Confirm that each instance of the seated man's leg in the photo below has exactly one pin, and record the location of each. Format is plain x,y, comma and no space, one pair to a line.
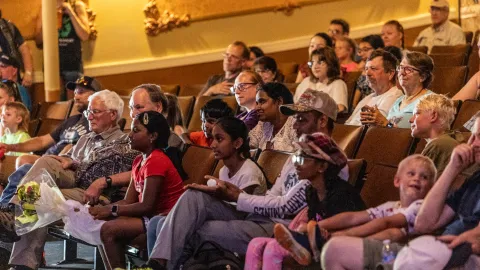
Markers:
25,159
234,235
187,216
13,182
154,226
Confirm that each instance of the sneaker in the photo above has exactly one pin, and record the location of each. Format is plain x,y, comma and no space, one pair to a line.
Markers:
7,225
285,238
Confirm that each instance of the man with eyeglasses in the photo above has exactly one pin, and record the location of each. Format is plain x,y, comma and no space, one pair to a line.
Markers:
9,70
201,214
442,32
338,28
234,61
59,140
381,77
105,150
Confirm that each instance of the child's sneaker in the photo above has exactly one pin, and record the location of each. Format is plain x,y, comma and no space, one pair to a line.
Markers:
285,238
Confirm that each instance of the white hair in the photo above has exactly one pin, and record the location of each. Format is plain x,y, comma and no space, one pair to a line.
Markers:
111,99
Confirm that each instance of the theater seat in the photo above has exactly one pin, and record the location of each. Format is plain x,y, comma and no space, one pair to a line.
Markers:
449,59
198,161
272,162
422,49
47,126
186,106
473,62
379,186
190,89
170,88
195,123
55,110
468,109
33,127
351,81
460,48
348,137
449,80
356,172
382,148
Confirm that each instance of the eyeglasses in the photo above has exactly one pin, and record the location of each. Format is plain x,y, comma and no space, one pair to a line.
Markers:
333,31
95,113
299,159
320,62
262,71
406,69
365,49
242,87
227,55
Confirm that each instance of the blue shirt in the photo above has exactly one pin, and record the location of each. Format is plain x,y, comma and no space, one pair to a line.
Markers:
465,202
401,117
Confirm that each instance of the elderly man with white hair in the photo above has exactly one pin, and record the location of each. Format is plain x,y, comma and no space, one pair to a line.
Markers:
103,151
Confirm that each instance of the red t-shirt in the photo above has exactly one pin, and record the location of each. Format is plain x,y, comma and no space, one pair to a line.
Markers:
198,138
158,164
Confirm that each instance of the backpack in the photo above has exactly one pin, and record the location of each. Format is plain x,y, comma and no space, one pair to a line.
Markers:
211,256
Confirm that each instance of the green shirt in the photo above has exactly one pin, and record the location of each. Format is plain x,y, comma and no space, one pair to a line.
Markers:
13,138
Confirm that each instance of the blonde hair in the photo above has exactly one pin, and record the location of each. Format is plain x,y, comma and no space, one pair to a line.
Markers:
426,162
22,111
441,104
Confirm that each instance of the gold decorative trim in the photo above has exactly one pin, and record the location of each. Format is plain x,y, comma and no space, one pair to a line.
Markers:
91,24
287,8
167,21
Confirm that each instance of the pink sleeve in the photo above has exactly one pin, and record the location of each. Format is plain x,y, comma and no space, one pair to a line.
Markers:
300,218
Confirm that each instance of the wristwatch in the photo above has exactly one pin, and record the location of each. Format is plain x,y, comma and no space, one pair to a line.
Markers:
115,210
108,180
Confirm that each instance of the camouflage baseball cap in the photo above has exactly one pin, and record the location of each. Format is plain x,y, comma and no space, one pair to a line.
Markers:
312,100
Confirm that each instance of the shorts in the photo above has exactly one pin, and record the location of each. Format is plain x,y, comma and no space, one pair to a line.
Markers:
372,253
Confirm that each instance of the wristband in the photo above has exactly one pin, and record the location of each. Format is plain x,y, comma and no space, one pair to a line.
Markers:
108,180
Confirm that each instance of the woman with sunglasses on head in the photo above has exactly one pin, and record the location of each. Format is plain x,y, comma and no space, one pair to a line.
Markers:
154,188
274,130
415,74
365,48
325,77
245,91
318,161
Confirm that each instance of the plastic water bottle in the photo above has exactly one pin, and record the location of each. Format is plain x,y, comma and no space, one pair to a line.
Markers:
388,255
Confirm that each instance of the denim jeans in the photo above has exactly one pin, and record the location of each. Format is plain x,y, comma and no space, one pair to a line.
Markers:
154,226
13,182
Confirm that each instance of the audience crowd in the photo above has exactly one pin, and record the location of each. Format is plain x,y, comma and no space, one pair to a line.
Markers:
310,215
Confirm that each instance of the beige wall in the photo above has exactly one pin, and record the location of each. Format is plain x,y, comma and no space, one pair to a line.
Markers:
122,38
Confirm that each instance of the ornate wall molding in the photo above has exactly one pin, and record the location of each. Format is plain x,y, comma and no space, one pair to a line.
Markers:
156,23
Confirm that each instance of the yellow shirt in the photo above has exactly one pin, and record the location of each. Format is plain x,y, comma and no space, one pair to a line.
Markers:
12,138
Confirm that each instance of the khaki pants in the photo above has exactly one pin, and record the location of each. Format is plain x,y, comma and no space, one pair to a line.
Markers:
28,251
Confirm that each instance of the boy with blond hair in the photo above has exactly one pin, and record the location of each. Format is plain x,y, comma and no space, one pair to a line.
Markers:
392,220
431,120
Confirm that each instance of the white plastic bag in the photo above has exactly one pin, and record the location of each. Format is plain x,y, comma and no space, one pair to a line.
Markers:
80,224
41,203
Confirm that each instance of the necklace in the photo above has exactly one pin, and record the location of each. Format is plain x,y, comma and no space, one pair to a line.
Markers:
410,98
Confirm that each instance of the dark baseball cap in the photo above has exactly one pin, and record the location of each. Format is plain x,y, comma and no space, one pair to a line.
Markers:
9,60
85,82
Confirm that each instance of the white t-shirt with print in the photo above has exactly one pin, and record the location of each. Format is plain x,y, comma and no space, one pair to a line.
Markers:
336,90
394,207
248,175
384,102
